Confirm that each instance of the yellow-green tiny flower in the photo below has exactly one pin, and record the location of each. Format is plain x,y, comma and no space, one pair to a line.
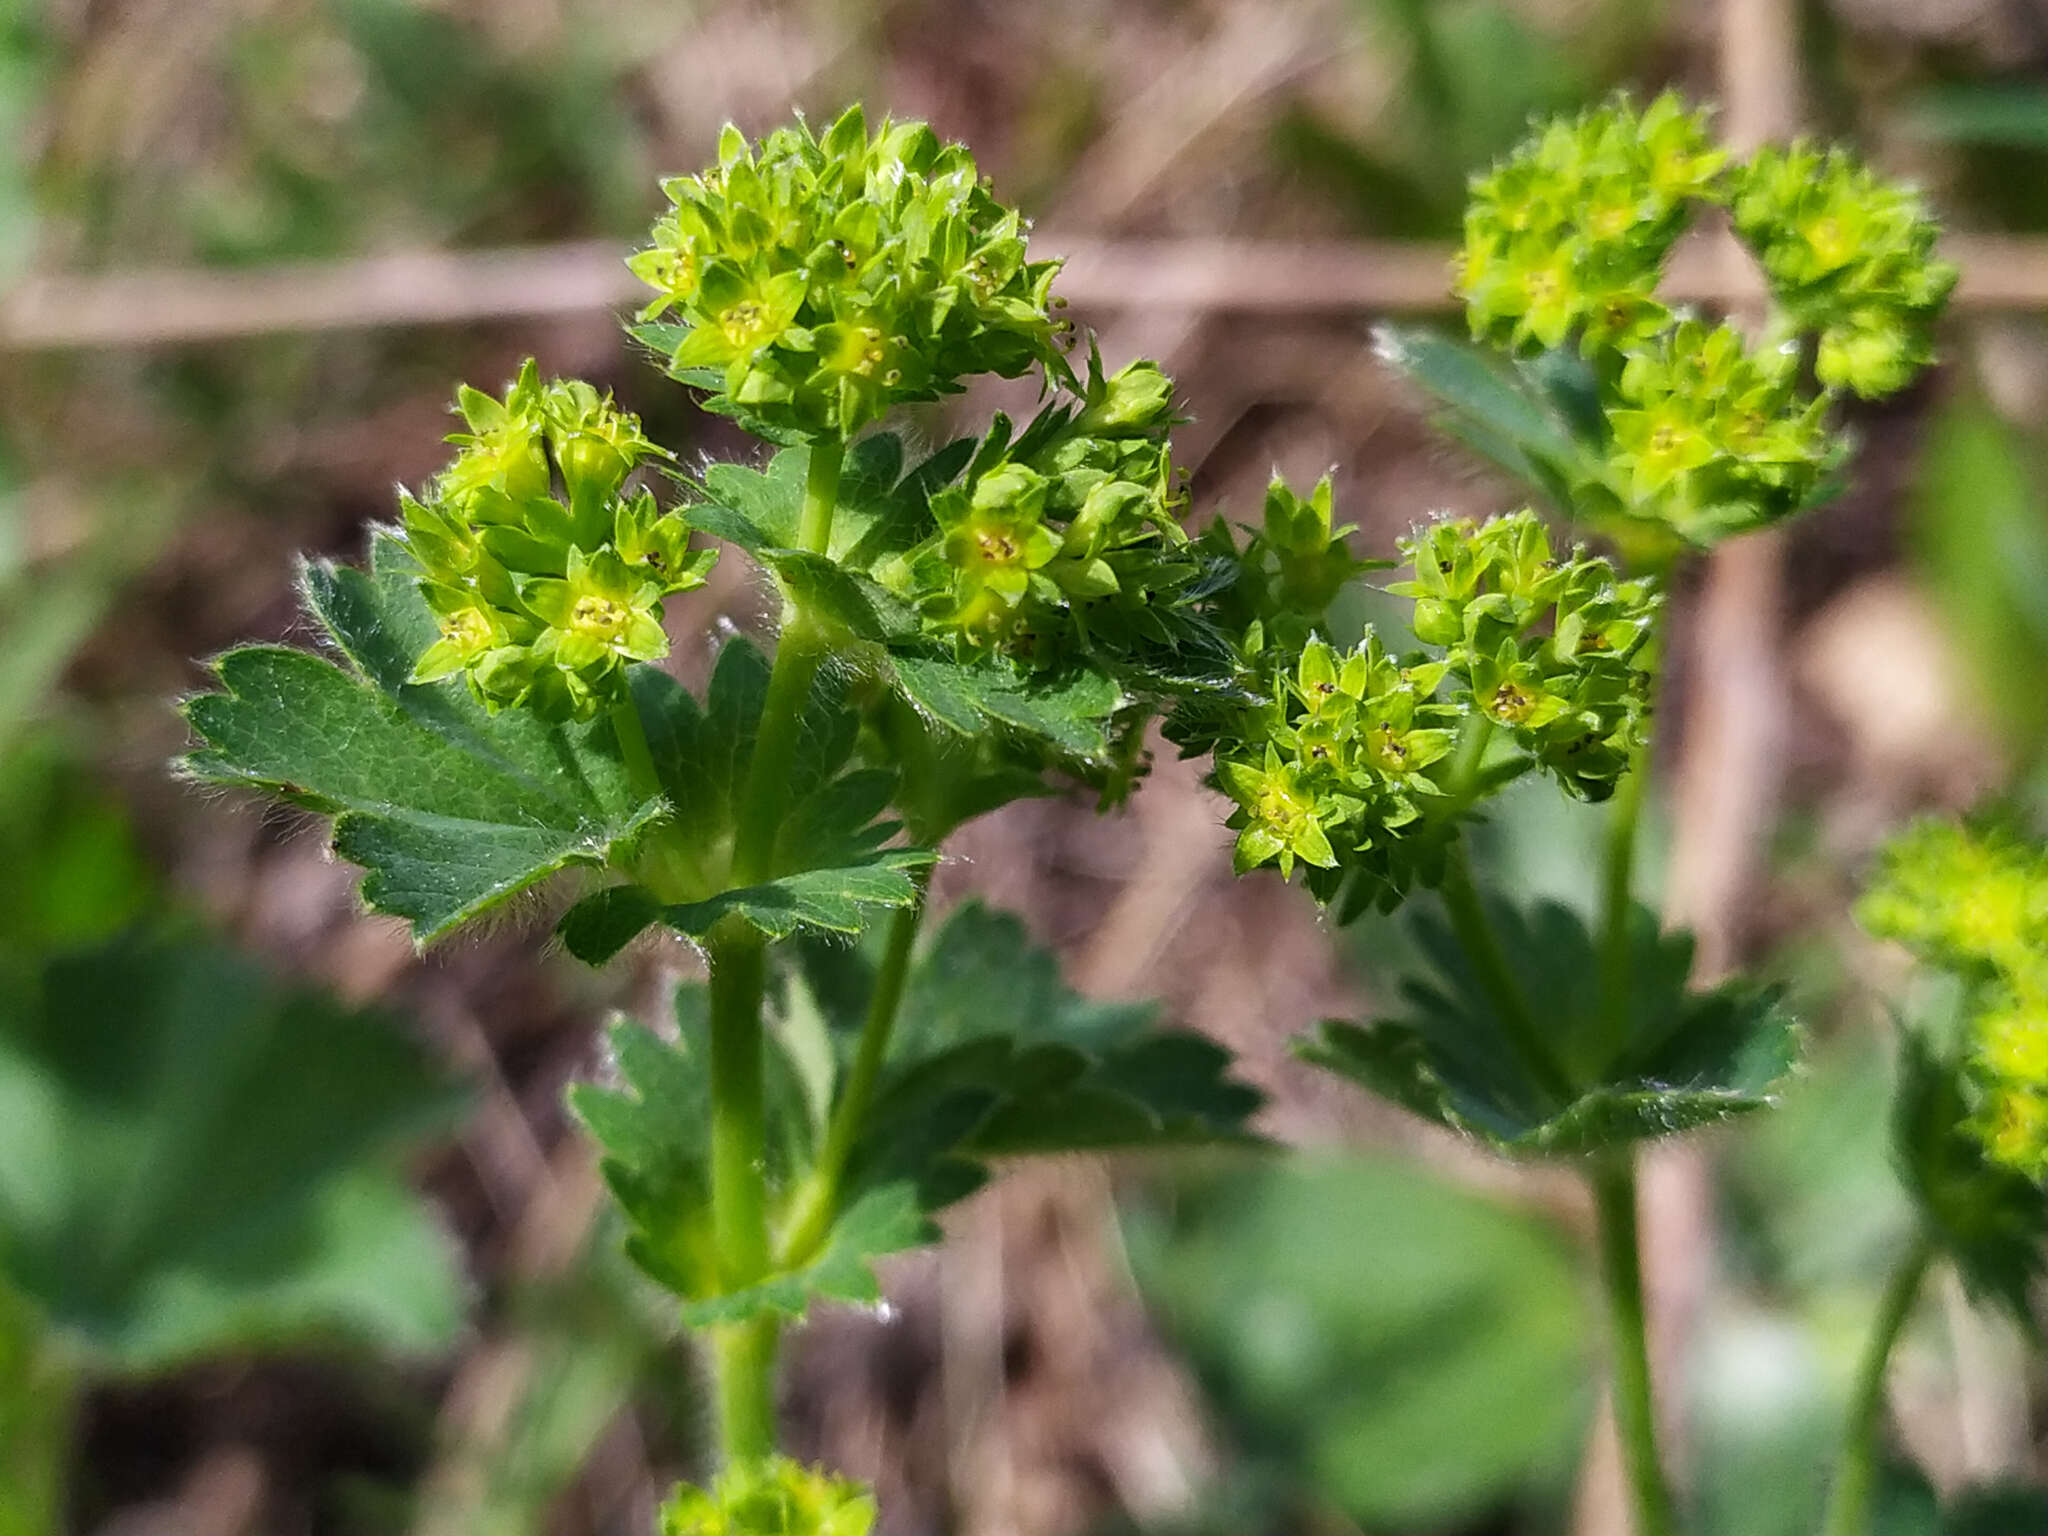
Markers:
603,612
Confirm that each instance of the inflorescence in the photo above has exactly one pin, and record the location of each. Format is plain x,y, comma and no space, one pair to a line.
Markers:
1351,763
1706,434
818,282
546,572
1973,900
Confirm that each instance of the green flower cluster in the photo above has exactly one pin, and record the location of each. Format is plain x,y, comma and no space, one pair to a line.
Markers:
1568,234
1850,259
1349,763
546,573
819,282
1333,769
1551,650
1290,570
1974,900
771,1497
1063,540
1710,439
1682,431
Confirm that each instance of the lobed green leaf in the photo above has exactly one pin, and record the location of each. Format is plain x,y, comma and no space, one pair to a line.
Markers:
450,810
1673,1061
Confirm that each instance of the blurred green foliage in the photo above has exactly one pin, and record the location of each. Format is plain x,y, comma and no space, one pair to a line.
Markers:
1379,1340
1978,536
165,1190
1473,73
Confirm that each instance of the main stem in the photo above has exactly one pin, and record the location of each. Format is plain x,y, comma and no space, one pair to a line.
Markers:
1848,1512
811,1215
744,1353
1613,1177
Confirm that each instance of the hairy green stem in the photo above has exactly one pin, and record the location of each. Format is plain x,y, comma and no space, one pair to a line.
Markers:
798,653
1849,1500
1613,1177
1476,937
739,1189
821,497
744,1353
743,1357
817,1204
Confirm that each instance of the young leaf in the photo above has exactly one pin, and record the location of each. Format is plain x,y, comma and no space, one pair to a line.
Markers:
831,866
828,900
883,1221
164,1193
1679,1059
1071,712
1494,413
880,511
450,810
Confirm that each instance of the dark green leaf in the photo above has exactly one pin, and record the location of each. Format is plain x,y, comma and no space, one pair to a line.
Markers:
995,1057
1988,1219
450,810
833,900
1071,712
1680,1059
164,1190
602,924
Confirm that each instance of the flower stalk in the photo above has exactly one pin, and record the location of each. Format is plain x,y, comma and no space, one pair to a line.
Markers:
1849,1499
817,1202
1613,1180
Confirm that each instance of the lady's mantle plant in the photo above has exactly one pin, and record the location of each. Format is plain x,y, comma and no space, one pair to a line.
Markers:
1013,612
959,631
1660,434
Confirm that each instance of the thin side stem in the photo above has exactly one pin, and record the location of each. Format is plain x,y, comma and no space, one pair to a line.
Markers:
1474,930
821,497
798,653
766,799
1617,894
739,1192
1613,1178
633,751
1849,1500
812,1213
